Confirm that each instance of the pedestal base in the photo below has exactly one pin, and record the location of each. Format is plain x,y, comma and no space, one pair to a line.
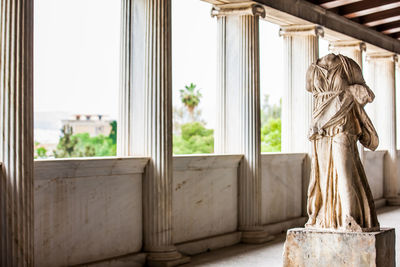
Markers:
304,247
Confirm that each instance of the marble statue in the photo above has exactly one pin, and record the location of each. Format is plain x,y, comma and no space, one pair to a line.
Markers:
339,197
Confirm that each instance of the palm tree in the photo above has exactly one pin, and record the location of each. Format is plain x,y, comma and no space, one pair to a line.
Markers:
190,97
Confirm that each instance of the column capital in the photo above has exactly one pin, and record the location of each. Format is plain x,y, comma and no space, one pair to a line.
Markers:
381,56
302,30
238,10
347,44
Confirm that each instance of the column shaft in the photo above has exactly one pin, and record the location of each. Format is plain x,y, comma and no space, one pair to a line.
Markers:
382,81
146,118
220,130
126,80
249,94
16,124
301,50
238,128
353,50
158,126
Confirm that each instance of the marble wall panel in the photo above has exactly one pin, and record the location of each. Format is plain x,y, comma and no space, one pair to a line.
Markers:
281,186
205,196
87,210
373,166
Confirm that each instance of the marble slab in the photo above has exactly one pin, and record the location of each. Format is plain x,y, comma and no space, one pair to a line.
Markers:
307,248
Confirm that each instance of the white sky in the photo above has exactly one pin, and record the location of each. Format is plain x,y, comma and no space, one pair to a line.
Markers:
77,55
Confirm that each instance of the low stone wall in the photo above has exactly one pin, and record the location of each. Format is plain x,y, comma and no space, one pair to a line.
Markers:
398,168
87,210
91,209
281,186
373,165
205,196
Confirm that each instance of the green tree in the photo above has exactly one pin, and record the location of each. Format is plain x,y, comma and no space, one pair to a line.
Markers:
270,126
269,110
83,145
97,146
271,136
66,145
41,152
190,97
113,133
195,139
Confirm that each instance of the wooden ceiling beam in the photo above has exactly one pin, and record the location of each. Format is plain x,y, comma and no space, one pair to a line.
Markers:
364,8
380,18
307,11
395,35
389,27
333,3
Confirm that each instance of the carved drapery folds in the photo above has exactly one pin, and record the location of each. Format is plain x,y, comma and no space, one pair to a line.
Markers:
354,50
16,124
339,197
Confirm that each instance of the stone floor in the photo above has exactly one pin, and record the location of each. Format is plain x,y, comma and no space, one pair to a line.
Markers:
270,254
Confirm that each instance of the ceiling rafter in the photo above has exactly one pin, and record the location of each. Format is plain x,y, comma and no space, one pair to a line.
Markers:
396,35
388,28
364,8
382,17
333,3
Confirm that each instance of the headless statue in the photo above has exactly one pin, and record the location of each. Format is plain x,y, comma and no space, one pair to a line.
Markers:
339,197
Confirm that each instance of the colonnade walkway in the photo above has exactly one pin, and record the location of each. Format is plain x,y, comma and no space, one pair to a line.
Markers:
270,254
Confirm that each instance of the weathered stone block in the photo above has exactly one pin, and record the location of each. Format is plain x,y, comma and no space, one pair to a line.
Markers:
306,247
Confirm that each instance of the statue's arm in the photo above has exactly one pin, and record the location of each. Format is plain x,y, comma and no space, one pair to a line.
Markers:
359,89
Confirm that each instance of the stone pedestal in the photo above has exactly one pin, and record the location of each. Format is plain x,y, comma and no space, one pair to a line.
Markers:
304,247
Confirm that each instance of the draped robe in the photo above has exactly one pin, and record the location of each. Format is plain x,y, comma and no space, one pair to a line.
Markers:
339,197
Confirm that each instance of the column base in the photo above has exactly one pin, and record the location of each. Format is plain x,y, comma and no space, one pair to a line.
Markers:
306,247
256,237
393,201
166,259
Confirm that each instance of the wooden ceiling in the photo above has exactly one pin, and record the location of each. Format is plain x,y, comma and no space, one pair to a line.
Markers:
379,15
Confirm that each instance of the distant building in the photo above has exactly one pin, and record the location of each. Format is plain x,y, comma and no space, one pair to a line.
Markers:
92,124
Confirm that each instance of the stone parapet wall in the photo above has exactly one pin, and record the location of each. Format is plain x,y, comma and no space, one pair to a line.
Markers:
205,196
87,210
373,166
91,209
281,186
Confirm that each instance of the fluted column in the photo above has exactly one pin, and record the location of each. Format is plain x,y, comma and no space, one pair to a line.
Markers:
220,140
301,50
353,50
239,104
381,69
16,142
146,96
124,135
